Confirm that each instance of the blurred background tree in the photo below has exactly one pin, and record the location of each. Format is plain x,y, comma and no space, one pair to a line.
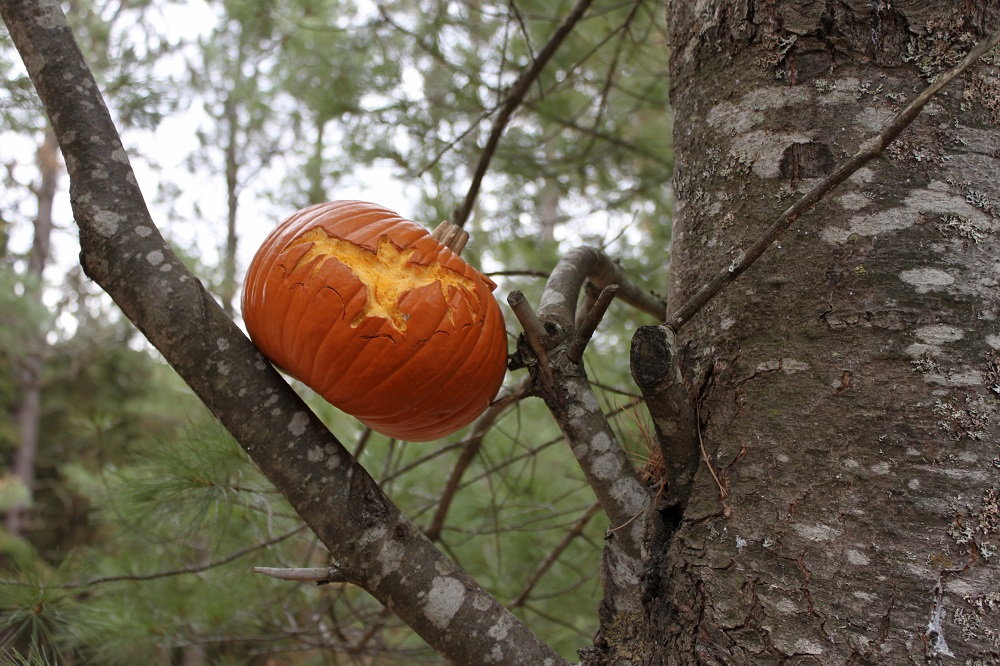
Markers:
132,528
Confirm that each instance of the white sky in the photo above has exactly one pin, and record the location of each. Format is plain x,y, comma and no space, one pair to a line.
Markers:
170,145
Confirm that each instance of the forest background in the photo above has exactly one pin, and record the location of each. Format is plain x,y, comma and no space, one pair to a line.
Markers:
145,518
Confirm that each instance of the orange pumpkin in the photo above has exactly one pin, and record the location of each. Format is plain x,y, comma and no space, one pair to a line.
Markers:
378,317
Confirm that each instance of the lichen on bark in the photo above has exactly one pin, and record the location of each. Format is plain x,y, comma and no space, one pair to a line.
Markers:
840,477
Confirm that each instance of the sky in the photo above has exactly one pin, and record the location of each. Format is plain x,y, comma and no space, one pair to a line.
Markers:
159,157
197,222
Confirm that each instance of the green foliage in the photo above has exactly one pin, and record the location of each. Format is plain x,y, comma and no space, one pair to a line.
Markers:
19,107
38,619
123,44
22,318
148,517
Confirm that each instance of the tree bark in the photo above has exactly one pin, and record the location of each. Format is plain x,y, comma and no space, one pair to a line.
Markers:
231,122
372,544
29,370
853,417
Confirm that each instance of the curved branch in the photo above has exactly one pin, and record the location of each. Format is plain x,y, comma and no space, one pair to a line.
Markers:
562,290
553,348
370,541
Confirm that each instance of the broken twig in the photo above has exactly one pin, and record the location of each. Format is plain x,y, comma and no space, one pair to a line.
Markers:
318,575
590,323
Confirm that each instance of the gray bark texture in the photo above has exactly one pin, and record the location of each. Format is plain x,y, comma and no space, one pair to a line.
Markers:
851,414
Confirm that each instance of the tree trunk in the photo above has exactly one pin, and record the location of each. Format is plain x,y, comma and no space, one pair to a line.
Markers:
228,290
852,416
29,370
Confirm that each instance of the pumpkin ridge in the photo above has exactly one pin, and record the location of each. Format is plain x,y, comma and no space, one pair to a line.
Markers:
391,281
465,409
427,380
299,347
330,384
307,342
463,354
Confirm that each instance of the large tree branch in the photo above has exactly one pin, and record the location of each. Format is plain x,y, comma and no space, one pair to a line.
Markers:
372,544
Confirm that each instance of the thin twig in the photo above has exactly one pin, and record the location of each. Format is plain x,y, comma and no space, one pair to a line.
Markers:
563,544
469,452
186,570
590,323
534,331
363,438
516,13
869,150
506,399
723,493
514,99
400,472
319,575
374,628
534,451
556,620
613,68
589,295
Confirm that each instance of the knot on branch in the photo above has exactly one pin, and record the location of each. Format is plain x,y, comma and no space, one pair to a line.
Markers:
653,357
369,505
656,370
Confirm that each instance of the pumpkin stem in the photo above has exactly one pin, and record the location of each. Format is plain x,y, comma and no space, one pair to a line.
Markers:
451,236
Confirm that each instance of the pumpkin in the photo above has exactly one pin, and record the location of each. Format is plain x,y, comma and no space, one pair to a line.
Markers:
378,317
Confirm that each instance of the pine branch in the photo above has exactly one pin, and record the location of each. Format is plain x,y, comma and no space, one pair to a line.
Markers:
612,71
171,573
590,321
